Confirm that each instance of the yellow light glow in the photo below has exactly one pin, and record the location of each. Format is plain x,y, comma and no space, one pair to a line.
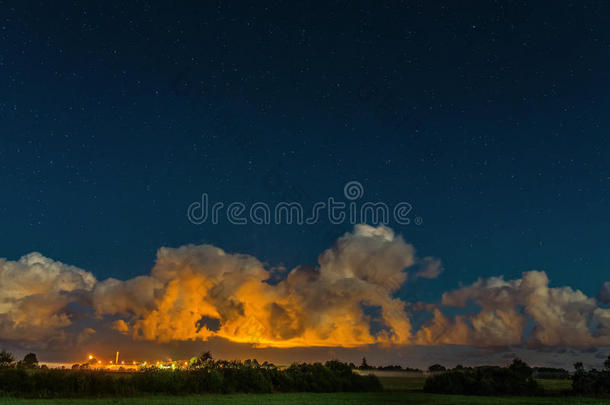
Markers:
90,357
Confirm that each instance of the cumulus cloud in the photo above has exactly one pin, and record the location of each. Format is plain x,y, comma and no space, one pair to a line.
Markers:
120,325
561,316
196,292
429,267
604,293
34,294
349,298
85,335
136,296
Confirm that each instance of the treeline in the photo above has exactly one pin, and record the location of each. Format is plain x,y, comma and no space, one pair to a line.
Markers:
203,376
547,373
515,379
365,366
7,360
592,382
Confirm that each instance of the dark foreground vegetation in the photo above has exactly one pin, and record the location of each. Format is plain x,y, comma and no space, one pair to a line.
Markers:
592,382
205,376
310,398
515,379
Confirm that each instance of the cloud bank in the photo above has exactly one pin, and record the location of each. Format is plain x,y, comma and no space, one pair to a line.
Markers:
349,299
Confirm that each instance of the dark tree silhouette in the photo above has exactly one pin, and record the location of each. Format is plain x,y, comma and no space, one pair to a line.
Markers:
515,379
204,360
592,382
205,356
436,367
521,368
30,361
364,365
6,358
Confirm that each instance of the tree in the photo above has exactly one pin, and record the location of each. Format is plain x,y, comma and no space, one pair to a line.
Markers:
6,358
607,364
521,368
436,368
30,361
591,382
364,365
204,360
205,356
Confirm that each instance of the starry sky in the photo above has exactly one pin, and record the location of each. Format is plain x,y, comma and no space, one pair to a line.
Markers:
490,118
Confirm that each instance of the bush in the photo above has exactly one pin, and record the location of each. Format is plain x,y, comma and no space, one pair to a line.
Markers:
513,380
591,382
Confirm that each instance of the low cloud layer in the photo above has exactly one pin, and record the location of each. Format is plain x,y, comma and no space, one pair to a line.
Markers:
348,300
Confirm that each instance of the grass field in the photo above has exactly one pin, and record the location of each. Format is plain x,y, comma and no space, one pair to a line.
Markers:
555,386
402,383
414,384
400,390
319,399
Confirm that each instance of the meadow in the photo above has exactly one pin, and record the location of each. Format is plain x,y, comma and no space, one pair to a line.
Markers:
398,390
345,398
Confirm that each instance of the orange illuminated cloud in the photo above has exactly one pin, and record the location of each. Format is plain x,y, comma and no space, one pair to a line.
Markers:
320,306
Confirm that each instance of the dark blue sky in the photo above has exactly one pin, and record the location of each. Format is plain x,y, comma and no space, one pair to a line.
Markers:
491,118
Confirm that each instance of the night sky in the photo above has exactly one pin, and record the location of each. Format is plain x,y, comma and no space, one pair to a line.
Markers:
490,118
